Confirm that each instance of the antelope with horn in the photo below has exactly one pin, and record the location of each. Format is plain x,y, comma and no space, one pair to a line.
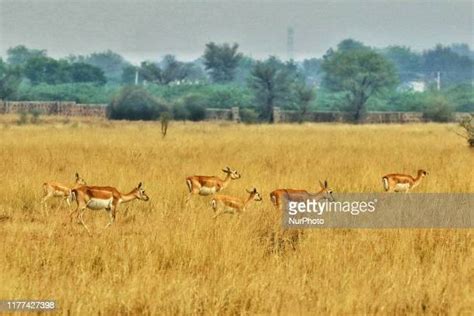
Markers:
279,196
56,189
222,204
397,182
209,185
108,198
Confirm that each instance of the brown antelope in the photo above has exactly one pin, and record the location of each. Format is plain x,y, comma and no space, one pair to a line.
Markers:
209,185
108,198
279,196
222,204
396,182
56,189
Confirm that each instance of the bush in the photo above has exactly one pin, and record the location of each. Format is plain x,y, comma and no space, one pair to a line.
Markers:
135,103
22,118
248,116
79,92
195,105
438,109
180,112
35,116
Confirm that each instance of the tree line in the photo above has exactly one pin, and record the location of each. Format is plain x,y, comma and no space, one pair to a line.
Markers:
349,77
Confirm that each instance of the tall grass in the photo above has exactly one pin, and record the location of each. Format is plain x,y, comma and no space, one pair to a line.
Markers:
163,257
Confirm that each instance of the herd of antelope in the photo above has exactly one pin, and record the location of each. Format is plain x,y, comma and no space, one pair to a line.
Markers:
109,198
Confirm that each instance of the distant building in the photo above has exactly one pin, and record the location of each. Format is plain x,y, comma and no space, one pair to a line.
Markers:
415,86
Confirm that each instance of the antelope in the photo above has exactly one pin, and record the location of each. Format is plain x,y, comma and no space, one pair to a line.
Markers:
279,196
108,198
222,204
209,185
396,182
56,189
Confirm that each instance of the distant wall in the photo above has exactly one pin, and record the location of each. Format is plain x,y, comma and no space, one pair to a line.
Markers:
280,116
64,108
71,108
223,114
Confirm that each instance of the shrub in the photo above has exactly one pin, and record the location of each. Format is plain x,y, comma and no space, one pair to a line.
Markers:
79,92
195,105
22,118
438,109
248,116
35,116
180,112
467,123
135,103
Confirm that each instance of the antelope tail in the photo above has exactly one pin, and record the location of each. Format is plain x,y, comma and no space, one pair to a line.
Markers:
189,184
214,204
385,183
72,196
273,198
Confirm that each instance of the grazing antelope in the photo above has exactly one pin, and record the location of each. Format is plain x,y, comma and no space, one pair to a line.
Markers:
396,182
279,196
222,204
108,198
209,185
56,189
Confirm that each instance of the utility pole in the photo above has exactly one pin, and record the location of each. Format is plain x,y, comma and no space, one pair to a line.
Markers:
136,77
438,80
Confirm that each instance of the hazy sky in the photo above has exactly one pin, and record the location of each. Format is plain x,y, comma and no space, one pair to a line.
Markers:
149,29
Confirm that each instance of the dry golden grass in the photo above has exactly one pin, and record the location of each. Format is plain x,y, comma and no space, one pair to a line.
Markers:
162,257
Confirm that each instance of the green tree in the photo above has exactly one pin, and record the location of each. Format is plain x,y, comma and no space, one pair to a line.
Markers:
453,67
47,70
304,96
270,80
111,63
172,69
221,61
408,63
350,44
462,49
20,54
129,73
243,70
81,72
311,69
150,72
10,78
360,74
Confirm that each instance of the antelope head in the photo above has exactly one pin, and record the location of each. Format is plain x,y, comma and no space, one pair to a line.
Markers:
254,194
140,194
326,192
422,173
234,175
80,180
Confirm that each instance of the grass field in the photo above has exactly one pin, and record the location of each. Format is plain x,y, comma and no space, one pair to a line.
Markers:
162,257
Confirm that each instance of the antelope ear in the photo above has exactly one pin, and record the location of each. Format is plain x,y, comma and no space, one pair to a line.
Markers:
254,190
77,174
326,184
248,191
321,184
139,185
